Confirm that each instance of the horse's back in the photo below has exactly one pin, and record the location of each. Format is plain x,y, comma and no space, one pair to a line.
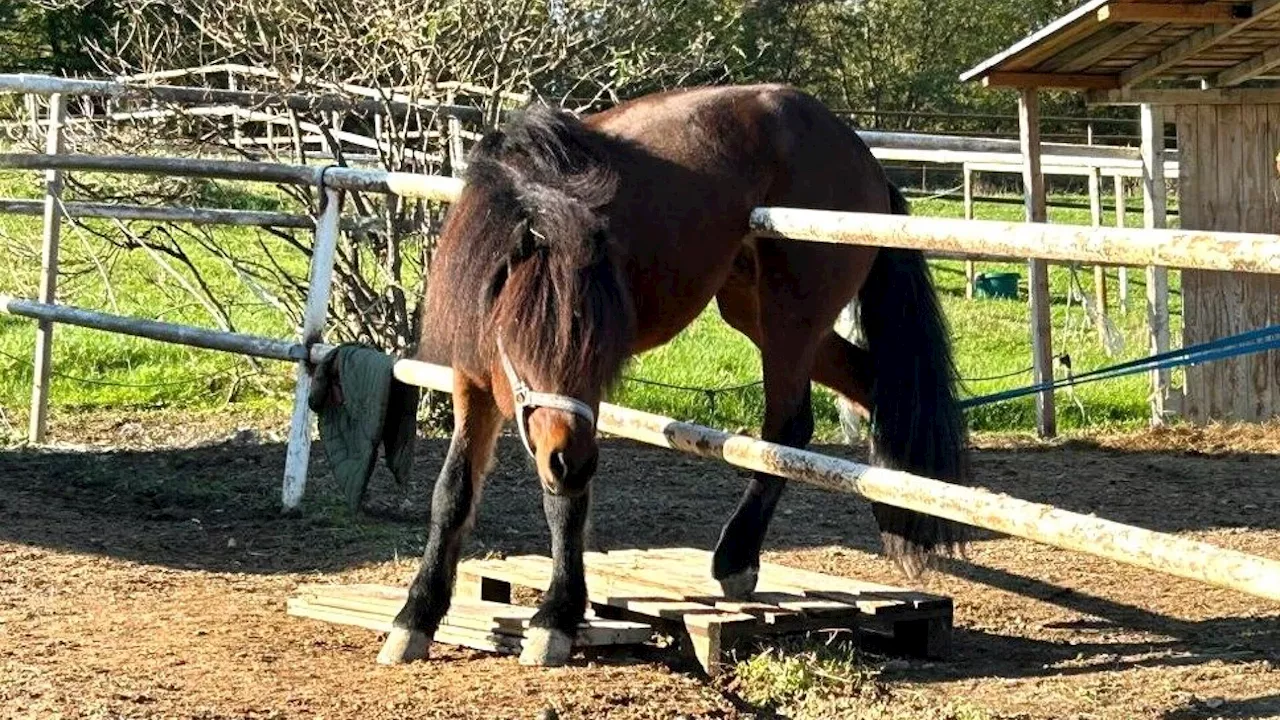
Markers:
697,161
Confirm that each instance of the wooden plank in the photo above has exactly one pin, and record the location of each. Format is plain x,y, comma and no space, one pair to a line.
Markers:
1122,279
314,315
1273,222
1094,52
689,577
970,269
1154,201
688,570
1249,69
1230,310
464,617
1211,284
871,597
42,371
1038,277
301,608
1253,193
1065,81
1195,43
1192,151
1099,270
1182,13
1172,96
646,599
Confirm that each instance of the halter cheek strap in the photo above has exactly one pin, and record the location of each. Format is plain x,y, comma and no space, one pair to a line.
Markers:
524,399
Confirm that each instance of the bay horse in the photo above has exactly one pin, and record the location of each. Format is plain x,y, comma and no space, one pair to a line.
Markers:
577,243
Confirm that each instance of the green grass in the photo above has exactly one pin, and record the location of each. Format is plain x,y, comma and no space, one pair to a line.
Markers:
804,678
991,336
100,370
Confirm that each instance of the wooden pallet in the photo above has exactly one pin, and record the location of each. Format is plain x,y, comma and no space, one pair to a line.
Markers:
479,624
673,589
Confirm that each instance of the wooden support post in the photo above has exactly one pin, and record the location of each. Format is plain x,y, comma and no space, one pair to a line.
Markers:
1038,278
298,455
33,117
335,122
1095,217
970,270
1154,198
1123,275
54,141
237,136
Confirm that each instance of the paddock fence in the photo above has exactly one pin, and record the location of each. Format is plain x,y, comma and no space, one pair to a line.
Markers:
137,98
1042,523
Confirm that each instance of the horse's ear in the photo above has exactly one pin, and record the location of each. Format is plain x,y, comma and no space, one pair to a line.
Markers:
520,247
491,142
489,293
523,241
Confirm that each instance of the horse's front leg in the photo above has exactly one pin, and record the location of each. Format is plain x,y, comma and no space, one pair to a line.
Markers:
549,639
477,422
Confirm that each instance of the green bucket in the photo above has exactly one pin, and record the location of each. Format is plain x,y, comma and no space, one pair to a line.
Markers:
996,285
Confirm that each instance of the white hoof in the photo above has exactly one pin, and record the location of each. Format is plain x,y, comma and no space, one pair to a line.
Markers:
404,646
546,647
740,586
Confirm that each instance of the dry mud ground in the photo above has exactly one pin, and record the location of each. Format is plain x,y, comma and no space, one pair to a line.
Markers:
144,572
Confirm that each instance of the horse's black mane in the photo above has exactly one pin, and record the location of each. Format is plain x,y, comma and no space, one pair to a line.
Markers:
537,266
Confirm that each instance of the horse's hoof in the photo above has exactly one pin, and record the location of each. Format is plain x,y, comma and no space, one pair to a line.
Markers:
404,646
547,647
739,586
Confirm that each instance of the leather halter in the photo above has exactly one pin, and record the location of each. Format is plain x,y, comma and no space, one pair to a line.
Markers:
525,398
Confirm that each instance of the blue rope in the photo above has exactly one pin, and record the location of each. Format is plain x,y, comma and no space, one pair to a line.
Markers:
1233,345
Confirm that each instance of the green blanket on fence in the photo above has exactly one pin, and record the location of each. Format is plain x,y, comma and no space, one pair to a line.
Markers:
361,405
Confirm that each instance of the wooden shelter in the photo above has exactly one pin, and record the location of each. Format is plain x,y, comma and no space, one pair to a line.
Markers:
1213,69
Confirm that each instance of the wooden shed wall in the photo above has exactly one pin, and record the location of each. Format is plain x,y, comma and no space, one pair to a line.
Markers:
1227,181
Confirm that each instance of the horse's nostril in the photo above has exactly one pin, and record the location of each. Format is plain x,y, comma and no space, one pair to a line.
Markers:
558,465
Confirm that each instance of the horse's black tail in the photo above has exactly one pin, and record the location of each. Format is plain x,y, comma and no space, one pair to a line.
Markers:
917,423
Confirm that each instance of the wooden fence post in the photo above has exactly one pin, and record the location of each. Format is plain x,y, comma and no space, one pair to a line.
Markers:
237,135
1095,218
43,363
1154,198
298,455
1122,279
970,269
1038,276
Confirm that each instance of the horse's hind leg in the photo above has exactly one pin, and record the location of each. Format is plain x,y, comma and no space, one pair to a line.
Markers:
847,369
788,350
549,639
453,505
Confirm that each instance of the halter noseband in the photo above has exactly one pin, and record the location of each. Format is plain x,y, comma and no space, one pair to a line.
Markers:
525,398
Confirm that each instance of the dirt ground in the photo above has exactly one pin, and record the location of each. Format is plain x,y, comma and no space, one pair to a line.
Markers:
144,572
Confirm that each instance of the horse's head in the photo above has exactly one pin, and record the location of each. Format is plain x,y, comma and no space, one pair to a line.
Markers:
557,315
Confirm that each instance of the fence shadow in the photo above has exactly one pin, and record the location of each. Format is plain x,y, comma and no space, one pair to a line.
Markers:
180,507
1257,707
215,508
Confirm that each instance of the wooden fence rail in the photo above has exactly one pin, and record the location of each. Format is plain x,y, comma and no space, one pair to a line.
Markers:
1192,249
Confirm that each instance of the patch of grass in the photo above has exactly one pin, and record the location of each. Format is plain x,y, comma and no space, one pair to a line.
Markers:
810,680
799,674
94,369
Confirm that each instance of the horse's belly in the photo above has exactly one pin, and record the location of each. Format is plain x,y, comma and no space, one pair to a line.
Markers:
668,298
